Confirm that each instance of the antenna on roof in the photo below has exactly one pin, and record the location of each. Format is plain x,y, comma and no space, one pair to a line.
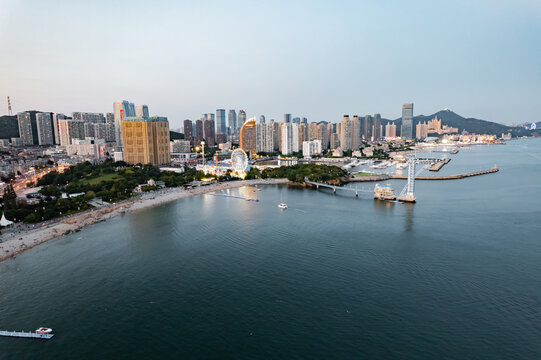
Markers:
9,107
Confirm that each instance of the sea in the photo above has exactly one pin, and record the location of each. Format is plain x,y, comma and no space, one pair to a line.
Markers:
456,275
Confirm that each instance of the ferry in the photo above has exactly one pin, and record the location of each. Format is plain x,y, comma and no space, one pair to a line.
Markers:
282,206
40,333
384,192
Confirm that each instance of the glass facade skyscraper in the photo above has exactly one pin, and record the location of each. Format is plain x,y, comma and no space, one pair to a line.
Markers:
407,121
220,122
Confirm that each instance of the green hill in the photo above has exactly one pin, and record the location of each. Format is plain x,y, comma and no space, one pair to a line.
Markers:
9,127
471,125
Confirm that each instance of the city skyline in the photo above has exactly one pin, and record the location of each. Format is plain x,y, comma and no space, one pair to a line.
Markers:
477,59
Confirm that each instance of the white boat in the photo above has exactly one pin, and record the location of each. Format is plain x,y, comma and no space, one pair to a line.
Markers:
282,206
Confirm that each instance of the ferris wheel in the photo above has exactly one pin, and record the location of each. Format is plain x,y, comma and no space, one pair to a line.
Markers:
239,160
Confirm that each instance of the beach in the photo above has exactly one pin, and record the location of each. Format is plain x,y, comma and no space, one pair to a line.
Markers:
14,242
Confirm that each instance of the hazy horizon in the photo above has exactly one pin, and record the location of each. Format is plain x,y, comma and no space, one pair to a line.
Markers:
311,59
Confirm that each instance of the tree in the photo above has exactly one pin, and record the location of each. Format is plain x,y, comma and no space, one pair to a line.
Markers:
90,195
10,197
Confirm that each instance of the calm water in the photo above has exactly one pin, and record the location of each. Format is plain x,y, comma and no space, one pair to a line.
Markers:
455,276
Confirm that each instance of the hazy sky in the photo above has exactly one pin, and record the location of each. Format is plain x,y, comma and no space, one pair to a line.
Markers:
318,59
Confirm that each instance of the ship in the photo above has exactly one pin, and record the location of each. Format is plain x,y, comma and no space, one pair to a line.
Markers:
282,206
384,193
40,333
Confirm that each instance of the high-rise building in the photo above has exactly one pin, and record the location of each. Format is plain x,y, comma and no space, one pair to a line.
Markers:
390,130
188,134
141,111
287,118
25,129
261,119
304,120
366,128
248,137
265,137
221,127
241,119
209,128
290,138
232,121
296,120
323,136
350,132
335,141
199,134
304,133
421,130
121,110
69,129
312,131
407,122
146,141
376,132
45,129
355,133
56,133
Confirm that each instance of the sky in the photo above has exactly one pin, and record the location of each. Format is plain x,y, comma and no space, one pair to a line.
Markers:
314,59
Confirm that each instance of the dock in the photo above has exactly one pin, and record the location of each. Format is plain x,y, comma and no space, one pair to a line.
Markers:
450,177
24,334
438,165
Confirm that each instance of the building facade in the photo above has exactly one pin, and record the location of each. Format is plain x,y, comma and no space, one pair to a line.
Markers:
45,129
407,122
248,136
25,129
146,141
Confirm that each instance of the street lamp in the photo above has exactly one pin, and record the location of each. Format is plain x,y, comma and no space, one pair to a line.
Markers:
203,152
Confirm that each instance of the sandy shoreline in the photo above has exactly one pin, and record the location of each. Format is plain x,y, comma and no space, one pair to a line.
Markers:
16,242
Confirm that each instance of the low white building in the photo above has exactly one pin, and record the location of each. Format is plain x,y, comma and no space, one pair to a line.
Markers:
180,146
183,158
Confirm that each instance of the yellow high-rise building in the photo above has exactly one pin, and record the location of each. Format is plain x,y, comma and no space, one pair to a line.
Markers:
146,140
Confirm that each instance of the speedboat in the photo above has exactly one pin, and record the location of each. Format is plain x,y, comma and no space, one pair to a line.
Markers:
44,330
282,206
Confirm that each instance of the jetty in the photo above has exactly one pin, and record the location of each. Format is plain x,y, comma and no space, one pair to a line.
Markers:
26,334
438,165
335,188
450,177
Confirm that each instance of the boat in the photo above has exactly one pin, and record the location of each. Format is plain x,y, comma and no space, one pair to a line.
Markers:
40,333
384,192
282,206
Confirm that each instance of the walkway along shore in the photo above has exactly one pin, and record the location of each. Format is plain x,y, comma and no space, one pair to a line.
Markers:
16,242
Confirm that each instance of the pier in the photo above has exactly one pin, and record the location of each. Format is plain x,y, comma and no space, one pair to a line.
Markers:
438,165
449,177
334,187
25,334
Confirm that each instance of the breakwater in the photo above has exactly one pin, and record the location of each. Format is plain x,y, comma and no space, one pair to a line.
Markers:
449,177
